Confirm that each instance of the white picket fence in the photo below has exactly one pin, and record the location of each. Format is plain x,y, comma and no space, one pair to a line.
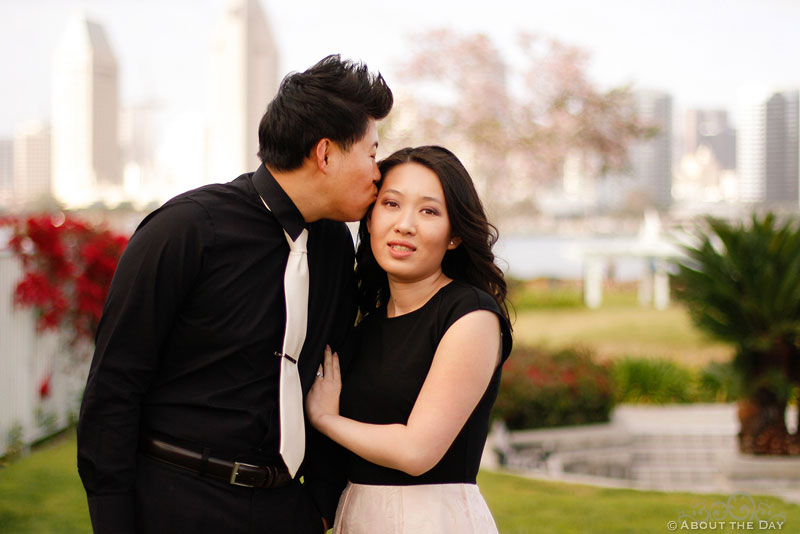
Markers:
27,359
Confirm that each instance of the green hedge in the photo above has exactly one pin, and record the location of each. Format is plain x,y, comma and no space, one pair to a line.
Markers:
644,381
654,381
542,388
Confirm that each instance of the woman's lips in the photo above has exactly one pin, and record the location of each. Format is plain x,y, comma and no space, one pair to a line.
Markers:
400,249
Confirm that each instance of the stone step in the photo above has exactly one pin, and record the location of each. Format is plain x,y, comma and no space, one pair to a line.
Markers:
678,456
683,438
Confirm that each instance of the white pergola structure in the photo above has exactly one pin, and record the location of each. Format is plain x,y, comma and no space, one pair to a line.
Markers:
656,254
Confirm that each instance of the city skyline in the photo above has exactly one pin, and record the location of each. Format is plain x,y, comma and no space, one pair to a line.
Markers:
700,52
166,149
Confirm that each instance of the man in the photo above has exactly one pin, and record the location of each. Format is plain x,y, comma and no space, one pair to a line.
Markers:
180,426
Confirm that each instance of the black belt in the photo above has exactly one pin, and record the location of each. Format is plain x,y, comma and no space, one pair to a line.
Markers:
236,473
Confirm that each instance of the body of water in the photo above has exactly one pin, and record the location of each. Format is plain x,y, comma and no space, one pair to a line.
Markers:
551,256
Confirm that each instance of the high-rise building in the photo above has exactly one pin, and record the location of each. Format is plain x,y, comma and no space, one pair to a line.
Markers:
750,144
768,146
32,165
651,159
783,148
85,107
710,128
138,138
244,79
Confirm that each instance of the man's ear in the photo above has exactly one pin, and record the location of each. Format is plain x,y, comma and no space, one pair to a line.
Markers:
454,242
321,154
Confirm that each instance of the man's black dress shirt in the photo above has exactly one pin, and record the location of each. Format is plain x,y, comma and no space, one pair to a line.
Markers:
185,347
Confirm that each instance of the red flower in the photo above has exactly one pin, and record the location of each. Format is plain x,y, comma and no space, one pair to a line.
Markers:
568,377
44,387
68,266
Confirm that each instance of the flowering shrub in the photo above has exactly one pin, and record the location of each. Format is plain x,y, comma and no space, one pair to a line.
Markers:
67,269
546,389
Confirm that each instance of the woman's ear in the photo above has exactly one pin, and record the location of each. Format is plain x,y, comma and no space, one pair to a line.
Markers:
454,242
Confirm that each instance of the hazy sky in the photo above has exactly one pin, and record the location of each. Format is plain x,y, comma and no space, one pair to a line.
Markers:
699,50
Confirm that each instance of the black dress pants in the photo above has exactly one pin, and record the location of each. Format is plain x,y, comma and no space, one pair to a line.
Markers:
172,500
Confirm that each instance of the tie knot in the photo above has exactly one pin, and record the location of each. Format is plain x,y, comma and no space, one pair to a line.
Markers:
298,245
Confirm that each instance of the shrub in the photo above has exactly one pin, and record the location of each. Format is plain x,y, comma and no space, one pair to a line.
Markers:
546,389
649,381
642,380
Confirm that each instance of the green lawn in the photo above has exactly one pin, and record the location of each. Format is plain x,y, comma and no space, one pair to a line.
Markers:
41,493
521,506
618,331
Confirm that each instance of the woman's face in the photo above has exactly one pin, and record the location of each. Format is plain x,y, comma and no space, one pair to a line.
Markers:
409,226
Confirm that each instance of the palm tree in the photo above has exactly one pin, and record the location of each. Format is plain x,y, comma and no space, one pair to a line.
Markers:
742,285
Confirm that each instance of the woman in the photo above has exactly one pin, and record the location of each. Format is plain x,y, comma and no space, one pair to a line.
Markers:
433,336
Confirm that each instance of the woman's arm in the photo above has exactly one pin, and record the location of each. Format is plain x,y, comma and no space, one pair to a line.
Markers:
461,370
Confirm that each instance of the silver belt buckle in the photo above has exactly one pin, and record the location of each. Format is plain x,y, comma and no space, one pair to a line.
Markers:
235,472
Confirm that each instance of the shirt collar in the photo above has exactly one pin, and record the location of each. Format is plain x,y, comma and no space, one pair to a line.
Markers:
279,202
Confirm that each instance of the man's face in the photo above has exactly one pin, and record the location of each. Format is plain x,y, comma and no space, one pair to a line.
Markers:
355,172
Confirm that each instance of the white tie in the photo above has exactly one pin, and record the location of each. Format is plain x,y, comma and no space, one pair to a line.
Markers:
295,286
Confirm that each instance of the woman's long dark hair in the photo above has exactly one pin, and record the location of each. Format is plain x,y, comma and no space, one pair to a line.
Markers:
471,262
